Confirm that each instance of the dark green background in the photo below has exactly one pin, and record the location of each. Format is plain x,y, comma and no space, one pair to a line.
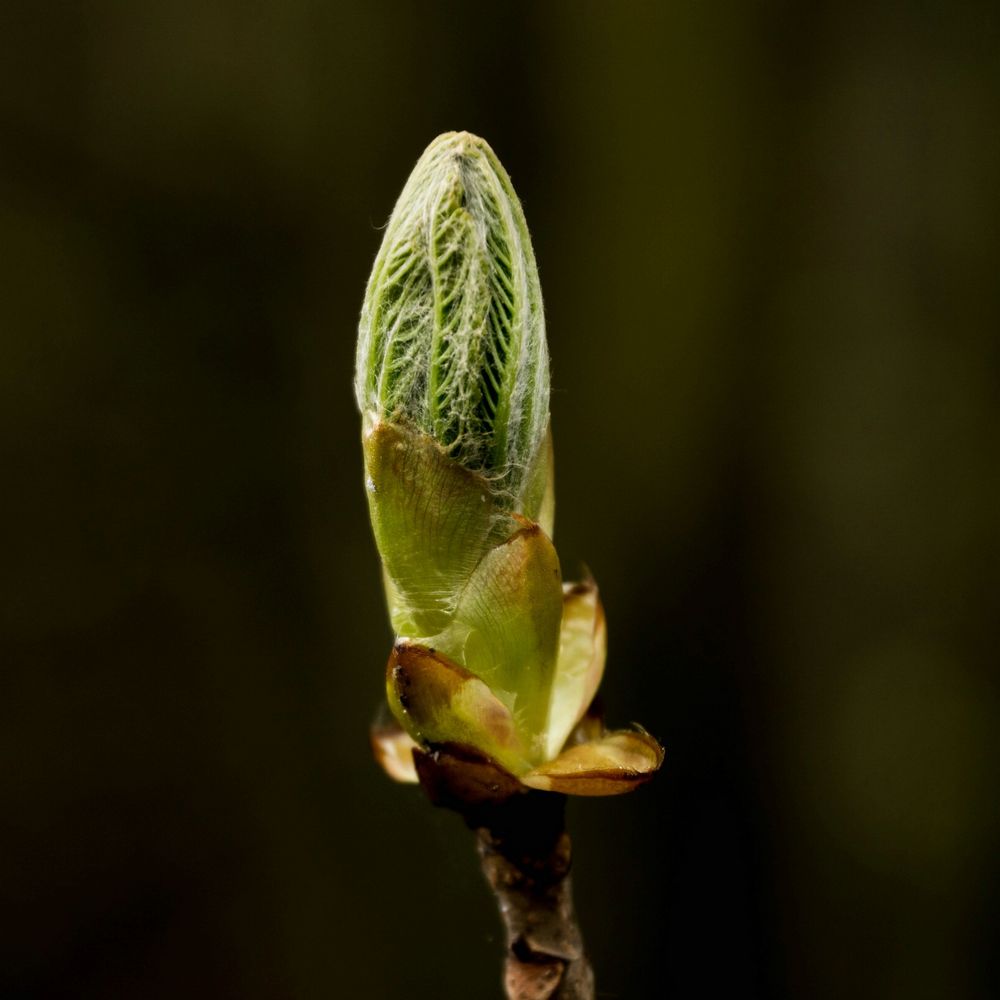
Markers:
767,235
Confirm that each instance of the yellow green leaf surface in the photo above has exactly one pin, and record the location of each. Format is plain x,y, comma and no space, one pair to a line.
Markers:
580,664
616,763
439,701
505,627
432,521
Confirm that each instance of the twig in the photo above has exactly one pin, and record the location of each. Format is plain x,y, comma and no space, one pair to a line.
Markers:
525,855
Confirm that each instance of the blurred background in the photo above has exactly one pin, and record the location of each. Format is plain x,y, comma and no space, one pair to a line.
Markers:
767,235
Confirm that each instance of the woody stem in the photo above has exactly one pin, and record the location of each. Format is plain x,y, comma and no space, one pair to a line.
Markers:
530,877
525,854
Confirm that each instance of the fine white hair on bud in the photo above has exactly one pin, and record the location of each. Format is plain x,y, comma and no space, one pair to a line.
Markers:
452,333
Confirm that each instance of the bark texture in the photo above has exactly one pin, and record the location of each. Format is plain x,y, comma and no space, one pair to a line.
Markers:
525,854
545,957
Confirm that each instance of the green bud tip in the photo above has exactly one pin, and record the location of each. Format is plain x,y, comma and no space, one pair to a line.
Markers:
452,333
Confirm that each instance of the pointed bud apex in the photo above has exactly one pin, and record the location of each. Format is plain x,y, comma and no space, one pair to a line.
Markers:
452,335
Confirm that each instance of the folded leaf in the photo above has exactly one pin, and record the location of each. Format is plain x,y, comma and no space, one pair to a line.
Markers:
582,649
393,747
616,763
432,519
539,503
505,628
438,701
